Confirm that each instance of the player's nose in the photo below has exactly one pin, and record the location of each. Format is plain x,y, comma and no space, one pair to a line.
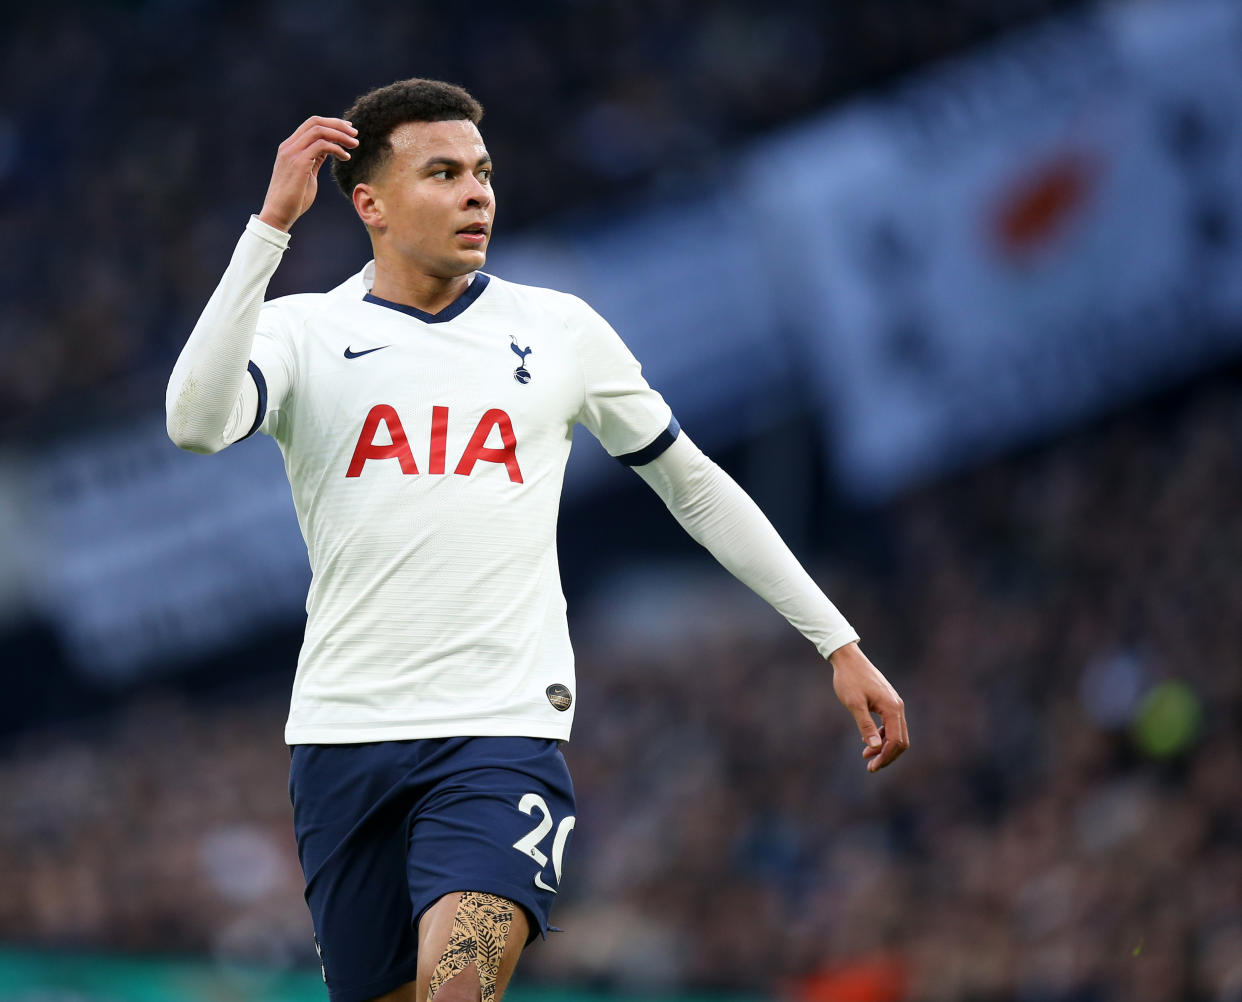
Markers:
477,194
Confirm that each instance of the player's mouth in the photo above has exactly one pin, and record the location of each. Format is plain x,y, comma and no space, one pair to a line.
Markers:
474,234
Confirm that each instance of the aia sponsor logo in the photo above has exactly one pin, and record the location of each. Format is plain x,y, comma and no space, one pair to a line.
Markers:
477,450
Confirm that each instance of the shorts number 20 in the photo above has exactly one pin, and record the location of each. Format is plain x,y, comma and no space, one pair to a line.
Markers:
529,843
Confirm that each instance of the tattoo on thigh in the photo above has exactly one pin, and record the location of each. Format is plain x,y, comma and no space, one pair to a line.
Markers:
480,931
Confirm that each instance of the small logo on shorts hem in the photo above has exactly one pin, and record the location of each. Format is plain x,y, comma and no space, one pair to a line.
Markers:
559,696
322,970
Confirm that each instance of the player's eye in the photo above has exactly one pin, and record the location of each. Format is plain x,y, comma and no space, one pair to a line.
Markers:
485,175
442,174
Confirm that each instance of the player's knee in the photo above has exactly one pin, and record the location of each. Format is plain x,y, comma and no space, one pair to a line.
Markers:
463,987
406,993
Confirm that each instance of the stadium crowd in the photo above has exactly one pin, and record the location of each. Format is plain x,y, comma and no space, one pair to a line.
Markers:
1063,626
135,137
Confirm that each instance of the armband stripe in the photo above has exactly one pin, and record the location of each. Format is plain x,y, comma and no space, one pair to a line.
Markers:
644,456
260,411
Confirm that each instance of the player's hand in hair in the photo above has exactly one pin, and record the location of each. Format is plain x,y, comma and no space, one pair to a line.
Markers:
864,691
295,176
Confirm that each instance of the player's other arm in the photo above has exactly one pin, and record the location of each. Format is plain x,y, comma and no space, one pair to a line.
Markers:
211,400
713,509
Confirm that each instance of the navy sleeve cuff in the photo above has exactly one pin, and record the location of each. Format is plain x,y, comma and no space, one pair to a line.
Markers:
260,411
644,456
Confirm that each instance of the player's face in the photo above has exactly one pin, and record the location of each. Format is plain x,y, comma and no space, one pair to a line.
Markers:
435,195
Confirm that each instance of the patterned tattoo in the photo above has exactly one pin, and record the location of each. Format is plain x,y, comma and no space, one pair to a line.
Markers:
480,931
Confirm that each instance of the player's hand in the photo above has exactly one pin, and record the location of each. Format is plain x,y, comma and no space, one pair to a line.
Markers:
295,177
864,691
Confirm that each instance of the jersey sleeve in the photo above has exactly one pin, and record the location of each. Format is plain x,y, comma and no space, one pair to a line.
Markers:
272,368
721,516
630,419
211,400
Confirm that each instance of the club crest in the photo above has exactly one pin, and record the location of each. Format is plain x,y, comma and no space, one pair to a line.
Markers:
521,373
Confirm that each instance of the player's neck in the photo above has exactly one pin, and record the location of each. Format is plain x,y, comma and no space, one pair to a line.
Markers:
428,293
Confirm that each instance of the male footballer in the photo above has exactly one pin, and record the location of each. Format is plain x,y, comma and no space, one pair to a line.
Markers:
424,410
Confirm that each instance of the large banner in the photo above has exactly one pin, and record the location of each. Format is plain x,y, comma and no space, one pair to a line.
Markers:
1016,240
139,553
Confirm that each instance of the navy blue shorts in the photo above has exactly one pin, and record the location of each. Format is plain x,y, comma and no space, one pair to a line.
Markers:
385,829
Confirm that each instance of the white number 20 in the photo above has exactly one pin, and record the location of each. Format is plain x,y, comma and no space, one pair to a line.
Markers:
529,843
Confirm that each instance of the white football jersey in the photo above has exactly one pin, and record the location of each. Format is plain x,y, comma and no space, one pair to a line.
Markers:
426,455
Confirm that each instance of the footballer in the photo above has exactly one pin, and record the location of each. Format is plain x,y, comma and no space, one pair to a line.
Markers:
424,409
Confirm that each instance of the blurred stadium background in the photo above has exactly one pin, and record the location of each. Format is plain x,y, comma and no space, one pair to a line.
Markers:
953,288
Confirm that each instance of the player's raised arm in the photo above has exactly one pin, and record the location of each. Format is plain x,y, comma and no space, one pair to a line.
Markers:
211,401
722,517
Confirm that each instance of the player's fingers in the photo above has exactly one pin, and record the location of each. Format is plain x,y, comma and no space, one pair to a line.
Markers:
866,726
320,121
296,145
905,728
871,751
324,149
896,739
886,758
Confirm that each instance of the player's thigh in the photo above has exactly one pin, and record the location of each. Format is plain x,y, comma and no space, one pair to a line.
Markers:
498,822
351,823
468,946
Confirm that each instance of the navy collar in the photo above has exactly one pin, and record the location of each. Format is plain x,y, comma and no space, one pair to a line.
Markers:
454,309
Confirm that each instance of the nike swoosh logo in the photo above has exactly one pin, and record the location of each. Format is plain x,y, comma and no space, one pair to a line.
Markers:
366,351
539,882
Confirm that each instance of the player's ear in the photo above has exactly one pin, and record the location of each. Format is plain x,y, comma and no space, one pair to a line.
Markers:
368,205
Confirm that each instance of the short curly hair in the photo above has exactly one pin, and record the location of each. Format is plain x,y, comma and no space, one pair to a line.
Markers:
378,112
